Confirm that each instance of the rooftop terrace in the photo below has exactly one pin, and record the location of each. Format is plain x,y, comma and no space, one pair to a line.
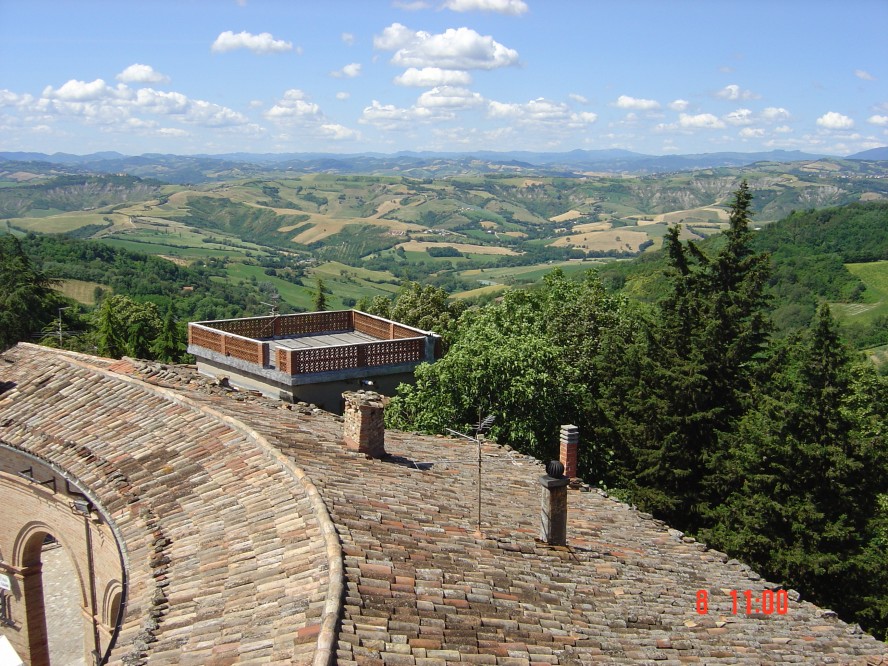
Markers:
275,353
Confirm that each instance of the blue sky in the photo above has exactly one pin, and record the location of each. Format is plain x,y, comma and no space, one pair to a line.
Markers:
347,76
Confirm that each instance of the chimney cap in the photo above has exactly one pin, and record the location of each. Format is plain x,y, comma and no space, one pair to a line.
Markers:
555,469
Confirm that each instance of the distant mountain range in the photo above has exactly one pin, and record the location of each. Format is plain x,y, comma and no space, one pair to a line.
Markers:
201,168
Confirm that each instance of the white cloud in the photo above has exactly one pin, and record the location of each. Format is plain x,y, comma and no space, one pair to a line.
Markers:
172,132
142,74
343,95
348,38
579,99
541,110
448,97
350,71
733,92
679,105
627,102
775,114
394,37
429,77
155,101
456,48
9,98
338,132
739,117
882,121
261,43
389,117
82,91
699,121
863,74
510,7
752,133
835,121
294,106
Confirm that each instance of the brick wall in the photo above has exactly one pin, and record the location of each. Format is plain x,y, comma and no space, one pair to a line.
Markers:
29,511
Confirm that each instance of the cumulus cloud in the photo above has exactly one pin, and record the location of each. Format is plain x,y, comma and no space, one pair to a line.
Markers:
863,74
579,99
429,77
734,92
142,74
390,117
294,106
261,43
448,97
882,121
350,71
540,110
775,114
699,121
627,102
338,132
456,48
679,105
342,95
739,117
510,7
83,91
348,38
833,120
752,133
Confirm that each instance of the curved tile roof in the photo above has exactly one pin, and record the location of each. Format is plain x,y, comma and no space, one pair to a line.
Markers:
421,586
230,552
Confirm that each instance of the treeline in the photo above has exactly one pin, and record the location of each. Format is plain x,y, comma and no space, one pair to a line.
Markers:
770,448
143,302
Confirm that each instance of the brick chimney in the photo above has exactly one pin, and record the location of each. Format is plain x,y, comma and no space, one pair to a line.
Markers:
570,438
364,428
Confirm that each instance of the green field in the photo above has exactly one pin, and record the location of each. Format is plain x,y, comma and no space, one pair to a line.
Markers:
80,290
875,299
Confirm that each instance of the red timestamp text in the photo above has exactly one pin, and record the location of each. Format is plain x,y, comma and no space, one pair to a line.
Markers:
749,602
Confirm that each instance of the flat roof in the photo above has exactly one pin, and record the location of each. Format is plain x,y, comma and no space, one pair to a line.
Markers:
323,340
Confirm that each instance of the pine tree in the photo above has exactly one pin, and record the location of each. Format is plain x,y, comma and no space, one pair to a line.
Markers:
27,301
700,353
320,299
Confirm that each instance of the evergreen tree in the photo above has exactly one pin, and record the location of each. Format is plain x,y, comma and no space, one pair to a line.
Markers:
807,475
320,299
695,365
27,301
167,347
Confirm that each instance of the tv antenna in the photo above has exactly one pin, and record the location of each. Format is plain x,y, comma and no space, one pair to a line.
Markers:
479,430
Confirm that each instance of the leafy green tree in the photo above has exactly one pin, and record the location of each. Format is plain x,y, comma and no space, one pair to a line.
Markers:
428,308
27,300
523,360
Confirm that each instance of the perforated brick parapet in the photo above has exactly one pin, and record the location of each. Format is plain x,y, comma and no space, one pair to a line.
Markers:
364,426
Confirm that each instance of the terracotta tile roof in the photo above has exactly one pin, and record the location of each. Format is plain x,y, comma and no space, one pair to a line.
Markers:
420,586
